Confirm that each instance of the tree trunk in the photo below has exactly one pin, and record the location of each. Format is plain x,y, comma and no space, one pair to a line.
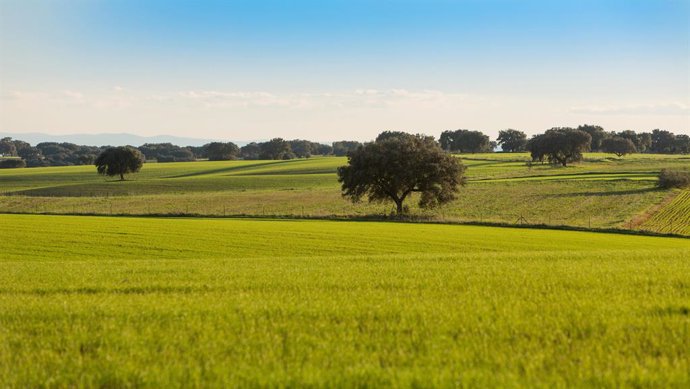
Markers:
122,177
399,206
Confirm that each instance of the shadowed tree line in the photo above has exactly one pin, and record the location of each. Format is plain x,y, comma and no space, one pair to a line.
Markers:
600,140
17,153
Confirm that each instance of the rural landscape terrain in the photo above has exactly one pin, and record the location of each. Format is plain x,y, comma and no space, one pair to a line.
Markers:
602,192
344,194
187,268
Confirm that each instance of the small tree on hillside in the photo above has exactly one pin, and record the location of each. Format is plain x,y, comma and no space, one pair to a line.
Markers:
118,161
618,145
394,168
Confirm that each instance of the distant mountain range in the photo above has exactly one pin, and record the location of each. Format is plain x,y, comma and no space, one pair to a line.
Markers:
110,139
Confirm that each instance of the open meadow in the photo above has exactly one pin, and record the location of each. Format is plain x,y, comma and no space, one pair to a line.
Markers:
344,194
601,192
165,302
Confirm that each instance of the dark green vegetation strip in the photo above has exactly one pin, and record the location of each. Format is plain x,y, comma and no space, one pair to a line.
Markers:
112,302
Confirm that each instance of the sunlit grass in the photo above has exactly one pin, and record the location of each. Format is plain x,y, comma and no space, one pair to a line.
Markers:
88,301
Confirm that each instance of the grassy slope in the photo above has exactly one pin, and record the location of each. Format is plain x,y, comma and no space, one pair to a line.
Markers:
125,301
603,192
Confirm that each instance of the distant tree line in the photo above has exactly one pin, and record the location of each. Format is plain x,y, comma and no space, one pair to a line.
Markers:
559,145
17,153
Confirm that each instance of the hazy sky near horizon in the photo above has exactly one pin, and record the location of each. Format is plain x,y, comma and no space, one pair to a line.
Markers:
328,70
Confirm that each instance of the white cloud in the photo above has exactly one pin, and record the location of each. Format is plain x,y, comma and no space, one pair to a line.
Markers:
71,98
119,97
356,113
360,98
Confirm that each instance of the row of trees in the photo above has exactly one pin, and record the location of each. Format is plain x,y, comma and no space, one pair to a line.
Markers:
657,141
458,141
49,153
66,154
562,145
620,143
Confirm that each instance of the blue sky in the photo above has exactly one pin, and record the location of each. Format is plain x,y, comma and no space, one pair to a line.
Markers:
329,70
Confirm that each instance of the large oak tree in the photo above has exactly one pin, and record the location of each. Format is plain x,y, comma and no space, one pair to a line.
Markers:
395,167
118,161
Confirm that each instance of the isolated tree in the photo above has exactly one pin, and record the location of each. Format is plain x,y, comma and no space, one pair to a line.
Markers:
394,168
118,161
512,141
618,145
561,145
222,151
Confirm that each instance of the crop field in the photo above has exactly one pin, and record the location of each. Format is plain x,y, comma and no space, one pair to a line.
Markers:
673,217
121,301
602,192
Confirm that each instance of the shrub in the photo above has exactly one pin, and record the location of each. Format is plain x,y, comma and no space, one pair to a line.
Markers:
669,178
12,163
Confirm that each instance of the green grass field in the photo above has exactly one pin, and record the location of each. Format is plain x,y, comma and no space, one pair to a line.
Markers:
170,302
602,192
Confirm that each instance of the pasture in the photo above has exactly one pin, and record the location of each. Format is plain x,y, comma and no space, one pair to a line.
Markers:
120,301
601,192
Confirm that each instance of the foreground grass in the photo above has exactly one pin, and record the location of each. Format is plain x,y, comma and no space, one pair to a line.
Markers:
96,301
